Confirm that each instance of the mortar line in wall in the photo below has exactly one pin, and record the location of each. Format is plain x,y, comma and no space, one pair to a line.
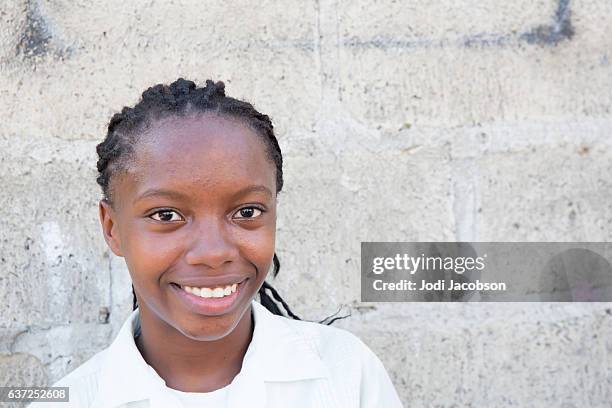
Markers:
464,199
318,52
11,347
548,34
327,46
337,47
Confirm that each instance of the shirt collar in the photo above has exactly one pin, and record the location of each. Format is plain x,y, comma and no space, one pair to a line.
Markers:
279,351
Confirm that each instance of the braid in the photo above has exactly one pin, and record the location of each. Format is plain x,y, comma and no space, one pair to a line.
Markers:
267,301
182,97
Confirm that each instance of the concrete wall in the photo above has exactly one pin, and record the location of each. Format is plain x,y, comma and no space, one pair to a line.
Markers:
451,120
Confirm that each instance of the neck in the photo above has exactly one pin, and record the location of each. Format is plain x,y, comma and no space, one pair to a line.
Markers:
190,365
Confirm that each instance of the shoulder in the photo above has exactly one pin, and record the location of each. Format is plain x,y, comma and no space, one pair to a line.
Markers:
87,371
86,382
82,382
337,347
352,365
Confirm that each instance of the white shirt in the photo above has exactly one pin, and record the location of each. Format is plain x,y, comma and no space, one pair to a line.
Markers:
217,398
289,363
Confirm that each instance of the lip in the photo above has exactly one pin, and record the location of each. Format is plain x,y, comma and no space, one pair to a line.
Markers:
210,306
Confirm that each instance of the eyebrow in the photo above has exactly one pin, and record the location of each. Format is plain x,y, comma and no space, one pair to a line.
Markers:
157,192
254,189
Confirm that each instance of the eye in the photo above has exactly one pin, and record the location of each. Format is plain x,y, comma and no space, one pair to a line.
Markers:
166,215
248,212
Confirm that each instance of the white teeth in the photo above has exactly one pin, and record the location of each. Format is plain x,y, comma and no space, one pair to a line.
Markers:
208,292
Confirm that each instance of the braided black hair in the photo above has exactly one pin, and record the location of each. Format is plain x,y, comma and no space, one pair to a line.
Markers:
180,98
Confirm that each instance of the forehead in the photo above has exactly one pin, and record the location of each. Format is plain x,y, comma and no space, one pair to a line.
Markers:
199,152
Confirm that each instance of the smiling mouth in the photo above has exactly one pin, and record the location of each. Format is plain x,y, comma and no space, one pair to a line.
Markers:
210,300
209,292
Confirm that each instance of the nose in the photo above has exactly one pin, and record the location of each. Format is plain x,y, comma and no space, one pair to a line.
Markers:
211,245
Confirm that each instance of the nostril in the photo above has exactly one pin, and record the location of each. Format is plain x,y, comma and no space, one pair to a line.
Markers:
212,256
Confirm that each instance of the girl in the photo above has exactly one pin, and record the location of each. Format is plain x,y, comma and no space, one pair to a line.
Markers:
190,178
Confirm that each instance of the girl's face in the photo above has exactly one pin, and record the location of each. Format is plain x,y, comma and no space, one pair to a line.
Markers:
197,209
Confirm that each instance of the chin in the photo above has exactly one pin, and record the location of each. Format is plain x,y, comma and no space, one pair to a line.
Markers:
208,329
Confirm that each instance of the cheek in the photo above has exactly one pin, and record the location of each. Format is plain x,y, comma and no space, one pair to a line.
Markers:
258,247
148,255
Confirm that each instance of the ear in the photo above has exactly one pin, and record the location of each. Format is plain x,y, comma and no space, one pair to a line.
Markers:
109,227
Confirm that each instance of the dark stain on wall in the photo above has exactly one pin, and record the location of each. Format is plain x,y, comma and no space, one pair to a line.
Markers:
561,28
36,37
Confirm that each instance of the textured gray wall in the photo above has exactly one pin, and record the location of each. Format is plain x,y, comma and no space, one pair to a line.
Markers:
450,120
